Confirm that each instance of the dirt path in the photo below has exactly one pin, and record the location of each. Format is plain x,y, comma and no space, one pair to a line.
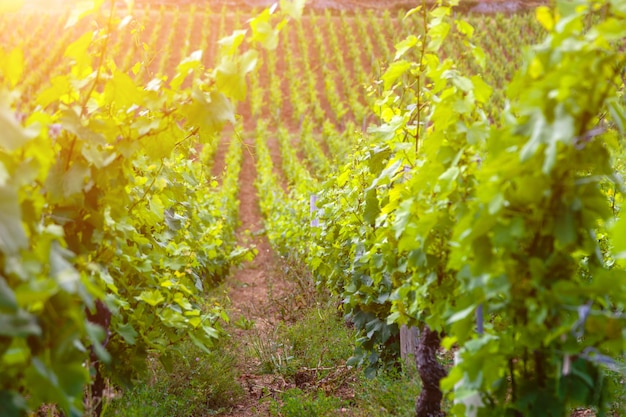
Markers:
250,286
254,289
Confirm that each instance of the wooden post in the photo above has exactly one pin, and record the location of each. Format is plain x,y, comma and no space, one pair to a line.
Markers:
409,337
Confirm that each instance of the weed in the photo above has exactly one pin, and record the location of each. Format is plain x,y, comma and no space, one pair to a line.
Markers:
198,383
297,403
318,340
273,355
244,323
391,393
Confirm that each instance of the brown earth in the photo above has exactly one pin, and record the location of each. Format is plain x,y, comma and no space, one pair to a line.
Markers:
256,289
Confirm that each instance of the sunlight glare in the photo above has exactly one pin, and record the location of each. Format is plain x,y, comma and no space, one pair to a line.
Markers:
10,5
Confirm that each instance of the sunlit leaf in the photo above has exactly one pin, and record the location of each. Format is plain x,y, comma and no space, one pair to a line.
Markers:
230,44
543,14
396,70
293,8
403,46
12,66
152,297
81,9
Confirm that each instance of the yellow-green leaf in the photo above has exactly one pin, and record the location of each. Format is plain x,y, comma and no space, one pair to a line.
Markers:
262,30
403,46
12,66
482,90
544,17
230,44
157,208
12,234
81,9
293,8
465,28
396,70
153,297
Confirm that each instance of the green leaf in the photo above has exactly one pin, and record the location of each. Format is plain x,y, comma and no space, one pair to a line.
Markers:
152,297
12,65
121,92
618,233
74,178
128,333
12,234
57,87
544,17
186,67
12,404
78,50
157,208
461,315
230,75
448,179
173,318
618,113
396,70
565,228
372,207
230,44
464,83
62,269
438,34
8,301
479,56
619,6
412,12
465,28
262,30
210,110
13,134
403,46
19,324
293,8
81,9
96,335
482,90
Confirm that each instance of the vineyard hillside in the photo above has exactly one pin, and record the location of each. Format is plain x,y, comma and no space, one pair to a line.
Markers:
238,208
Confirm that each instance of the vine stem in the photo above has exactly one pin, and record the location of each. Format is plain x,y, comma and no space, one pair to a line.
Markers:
419,79
147,190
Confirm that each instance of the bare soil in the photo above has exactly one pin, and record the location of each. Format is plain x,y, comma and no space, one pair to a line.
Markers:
254,290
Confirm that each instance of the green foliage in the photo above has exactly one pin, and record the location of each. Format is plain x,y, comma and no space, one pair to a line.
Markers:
105,196
296,403
319,341
451,219
391,393
535,220
198,383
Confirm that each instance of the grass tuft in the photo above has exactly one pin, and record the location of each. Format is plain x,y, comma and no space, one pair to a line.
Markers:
199,384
